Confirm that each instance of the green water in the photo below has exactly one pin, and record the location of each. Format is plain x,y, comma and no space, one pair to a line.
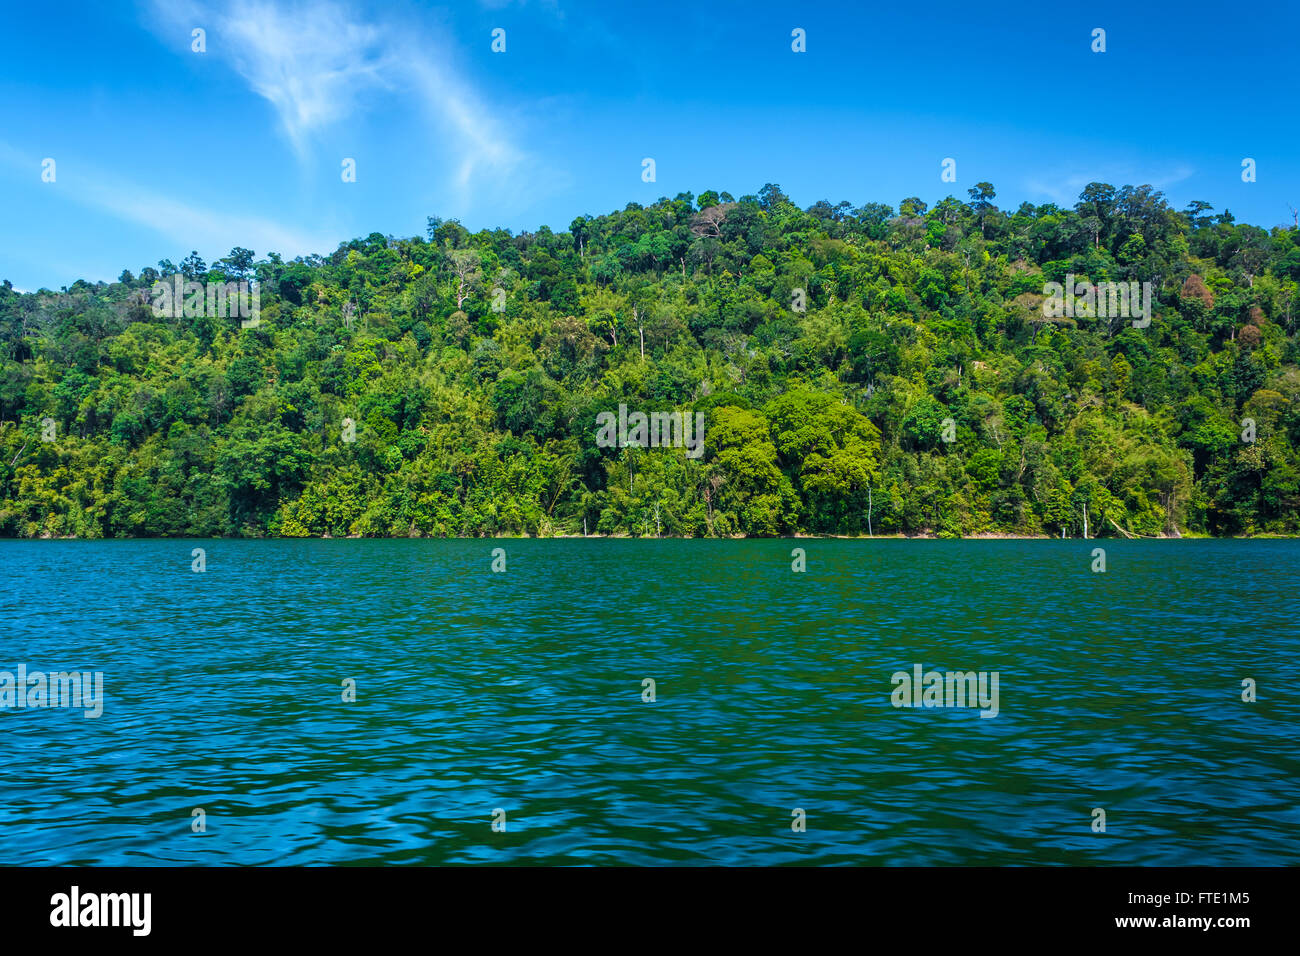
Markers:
522,691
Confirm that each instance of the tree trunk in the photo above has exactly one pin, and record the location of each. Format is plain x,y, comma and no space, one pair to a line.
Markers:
1124,532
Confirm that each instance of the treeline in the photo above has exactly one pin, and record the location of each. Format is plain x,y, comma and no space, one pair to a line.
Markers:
860,369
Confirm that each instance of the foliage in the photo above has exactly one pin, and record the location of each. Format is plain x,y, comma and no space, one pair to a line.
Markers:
856,369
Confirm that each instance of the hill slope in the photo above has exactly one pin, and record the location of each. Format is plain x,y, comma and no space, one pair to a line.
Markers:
856,367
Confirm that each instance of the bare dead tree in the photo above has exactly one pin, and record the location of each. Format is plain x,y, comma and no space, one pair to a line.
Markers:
708,223
467,267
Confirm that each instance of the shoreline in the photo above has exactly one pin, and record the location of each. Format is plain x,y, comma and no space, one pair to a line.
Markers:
985,536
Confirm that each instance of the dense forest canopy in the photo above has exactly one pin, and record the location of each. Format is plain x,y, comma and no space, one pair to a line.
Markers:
859,368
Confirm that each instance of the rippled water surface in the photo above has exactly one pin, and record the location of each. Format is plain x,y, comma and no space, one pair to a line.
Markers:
522,691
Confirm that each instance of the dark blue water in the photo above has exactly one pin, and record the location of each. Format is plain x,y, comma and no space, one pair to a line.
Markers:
522,691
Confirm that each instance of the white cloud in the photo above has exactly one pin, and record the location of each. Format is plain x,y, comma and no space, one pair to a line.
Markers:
311,62
1063,188
319,62
183,222
478,135
194,226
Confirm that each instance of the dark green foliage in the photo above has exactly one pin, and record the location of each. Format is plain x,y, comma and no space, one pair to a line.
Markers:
857,369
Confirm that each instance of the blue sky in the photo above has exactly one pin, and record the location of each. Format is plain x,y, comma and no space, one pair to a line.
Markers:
159,150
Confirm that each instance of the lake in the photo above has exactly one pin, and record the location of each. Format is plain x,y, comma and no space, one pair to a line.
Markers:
506,717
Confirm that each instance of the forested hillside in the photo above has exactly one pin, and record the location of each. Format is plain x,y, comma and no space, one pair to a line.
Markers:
827,348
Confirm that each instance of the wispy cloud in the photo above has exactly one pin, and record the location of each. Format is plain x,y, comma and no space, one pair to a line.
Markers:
312,63
1063,188
192,226
319,62
185,223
